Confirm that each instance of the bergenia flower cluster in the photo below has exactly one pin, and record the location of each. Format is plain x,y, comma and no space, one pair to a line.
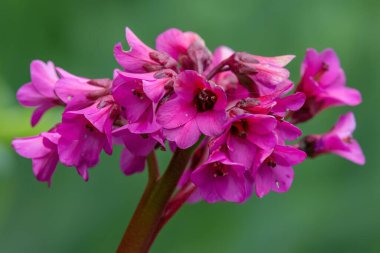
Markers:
237,110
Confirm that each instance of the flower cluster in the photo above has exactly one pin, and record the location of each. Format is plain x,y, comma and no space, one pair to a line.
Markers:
236,108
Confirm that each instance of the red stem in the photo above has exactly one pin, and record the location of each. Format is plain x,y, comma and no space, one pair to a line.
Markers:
145,221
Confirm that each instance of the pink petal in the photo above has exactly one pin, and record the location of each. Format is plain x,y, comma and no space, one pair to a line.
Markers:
44,167
173,42
184,136
282,178
67,89
344,96
288,131
188,84
28,95
345,125
288,156
263,181
280,61
175,113
44,77
130,163
354,154
241,151
261,124
30,147
155,90
211,123
39,112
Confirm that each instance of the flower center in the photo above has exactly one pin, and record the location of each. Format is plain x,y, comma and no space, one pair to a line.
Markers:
239,128
324,68
138,93
220,170
205,100
347,139
270,162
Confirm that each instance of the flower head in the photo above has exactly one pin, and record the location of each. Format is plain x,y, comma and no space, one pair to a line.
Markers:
197,106
337,141
40,91
235,110
42,149
81,143
220,179
275,172
141,58
324,84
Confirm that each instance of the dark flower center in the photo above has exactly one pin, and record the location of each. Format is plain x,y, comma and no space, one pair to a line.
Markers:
324,69
309,146
347,139
205,100
220,170
239,128
270,162
138,93
90,128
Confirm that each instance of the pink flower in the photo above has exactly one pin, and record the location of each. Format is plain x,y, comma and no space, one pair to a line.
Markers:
80,143
278,107
197,107
137,148
338,141
245,136
81,90
40,91
219,179
261,75
275,173
101,114
324,84
187,48
227,79
42,149
137,109
141,58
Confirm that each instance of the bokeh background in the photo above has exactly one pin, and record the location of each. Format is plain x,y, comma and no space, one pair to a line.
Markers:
333,206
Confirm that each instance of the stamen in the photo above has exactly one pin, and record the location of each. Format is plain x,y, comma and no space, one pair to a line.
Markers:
220,170
205,100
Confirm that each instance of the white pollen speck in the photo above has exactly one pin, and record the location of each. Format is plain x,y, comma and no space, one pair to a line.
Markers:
278,184
69,98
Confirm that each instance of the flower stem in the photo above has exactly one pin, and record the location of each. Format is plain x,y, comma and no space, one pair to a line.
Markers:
145,220
153,170
171,209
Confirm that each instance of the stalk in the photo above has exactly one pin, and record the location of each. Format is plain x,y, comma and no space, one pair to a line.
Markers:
145,221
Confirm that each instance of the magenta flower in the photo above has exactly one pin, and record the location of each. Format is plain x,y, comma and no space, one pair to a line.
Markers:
40,91
101,115
261,75
80,90
338,141
227,117
137,109
227,79
197,107
324,84
137,148
246,136
219,179
187,48
81,143
141,58
275,173
42,149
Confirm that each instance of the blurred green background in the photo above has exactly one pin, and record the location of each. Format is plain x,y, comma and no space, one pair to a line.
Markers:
333,206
